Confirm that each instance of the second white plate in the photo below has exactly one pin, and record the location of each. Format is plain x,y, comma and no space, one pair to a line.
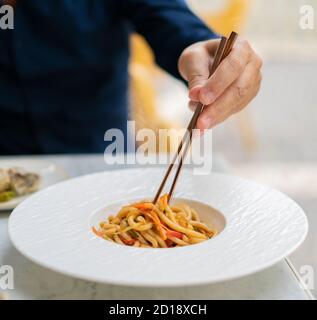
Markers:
50,174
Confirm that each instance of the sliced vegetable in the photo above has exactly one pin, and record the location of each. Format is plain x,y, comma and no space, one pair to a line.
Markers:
144,206
173,233
133,234
164,200
127,241
96,232
169,243
7,196
157,222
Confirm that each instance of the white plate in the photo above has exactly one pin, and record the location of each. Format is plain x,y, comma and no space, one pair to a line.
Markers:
52,228
50,173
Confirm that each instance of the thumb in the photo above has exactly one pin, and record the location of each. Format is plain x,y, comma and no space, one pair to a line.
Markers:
193,65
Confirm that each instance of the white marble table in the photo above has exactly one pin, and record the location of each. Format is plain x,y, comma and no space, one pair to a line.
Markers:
34,282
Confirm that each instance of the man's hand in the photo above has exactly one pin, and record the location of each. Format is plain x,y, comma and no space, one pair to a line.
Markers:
233,85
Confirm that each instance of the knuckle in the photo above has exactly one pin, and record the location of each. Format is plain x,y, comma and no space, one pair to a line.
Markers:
249,53
241,92
245,44
235,64
186,54
258,61
248,89
190,52
246,48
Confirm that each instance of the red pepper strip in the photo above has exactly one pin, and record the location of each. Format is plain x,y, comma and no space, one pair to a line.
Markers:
96,232
172,233
175,234
144,206
169,243
157,222
152,215
127,242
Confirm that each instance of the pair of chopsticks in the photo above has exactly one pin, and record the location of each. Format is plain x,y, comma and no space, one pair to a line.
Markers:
222,52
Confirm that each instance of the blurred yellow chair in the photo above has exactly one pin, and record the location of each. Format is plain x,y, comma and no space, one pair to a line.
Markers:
143,69
231,17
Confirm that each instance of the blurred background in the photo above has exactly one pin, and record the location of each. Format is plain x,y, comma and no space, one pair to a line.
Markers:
274,141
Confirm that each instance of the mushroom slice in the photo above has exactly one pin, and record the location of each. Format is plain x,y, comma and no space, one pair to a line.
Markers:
23,182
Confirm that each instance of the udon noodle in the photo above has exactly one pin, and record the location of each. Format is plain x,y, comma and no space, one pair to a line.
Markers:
147,225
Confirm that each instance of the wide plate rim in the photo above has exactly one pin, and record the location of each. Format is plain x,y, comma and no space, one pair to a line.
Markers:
131,282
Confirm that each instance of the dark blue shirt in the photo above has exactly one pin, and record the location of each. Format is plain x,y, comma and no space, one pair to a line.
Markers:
64,68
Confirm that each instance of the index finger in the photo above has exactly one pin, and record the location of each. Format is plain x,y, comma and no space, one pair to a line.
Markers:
227,72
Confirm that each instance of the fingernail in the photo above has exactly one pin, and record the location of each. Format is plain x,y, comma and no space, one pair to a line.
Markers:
194,93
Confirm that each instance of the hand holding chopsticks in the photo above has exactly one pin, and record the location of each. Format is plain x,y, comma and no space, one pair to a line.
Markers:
222,52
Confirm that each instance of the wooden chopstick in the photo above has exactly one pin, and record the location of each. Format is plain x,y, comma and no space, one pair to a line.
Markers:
233,37
222,51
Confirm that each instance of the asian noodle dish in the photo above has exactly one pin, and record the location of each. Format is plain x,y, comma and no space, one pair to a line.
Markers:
159,225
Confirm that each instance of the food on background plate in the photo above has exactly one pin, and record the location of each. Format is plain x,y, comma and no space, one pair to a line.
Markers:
4,180
16,182
147,225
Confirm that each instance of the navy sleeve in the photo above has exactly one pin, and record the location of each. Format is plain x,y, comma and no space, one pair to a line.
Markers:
169,26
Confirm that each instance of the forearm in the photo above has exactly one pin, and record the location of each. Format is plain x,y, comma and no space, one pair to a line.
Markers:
169,26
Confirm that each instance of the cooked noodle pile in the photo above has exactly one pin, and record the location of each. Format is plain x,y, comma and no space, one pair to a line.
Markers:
155,226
